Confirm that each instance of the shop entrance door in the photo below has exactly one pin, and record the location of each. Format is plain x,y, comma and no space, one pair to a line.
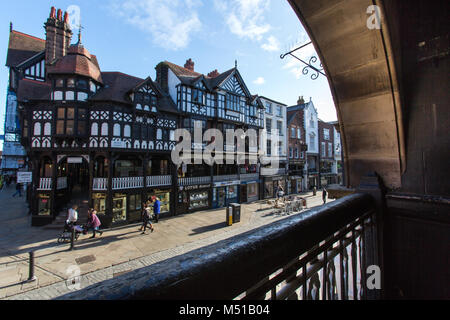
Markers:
243,195
221,197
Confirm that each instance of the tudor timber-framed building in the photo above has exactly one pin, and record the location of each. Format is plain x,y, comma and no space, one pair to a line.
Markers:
223,102
105,138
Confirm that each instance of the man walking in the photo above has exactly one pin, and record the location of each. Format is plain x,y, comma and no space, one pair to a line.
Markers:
157,209
73,215
324,195
18,190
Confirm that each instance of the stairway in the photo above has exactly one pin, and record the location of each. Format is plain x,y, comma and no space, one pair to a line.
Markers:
83,207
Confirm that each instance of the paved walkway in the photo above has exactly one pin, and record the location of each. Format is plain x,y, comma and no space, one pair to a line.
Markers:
119,250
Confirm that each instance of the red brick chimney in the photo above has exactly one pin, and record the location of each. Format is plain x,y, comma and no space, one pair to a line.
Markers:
189,64
58,35
213,74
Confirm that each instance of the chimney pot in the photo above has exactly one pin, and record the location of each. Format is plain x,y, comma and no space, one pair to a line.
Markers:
213,74
59,14
53,13
66,17
189,64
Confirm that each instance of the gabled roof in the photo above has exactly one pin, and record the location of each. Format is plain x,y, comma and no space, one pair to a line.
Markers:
217,81
118,86
165,102
22,47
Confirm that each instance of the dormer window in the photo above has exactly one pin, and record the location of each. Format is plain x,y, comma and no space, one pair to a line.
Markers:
146,102
198,96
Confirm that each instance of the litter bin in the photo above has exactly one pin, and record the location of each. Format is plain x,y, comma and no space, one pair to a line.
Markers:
229,216
236,212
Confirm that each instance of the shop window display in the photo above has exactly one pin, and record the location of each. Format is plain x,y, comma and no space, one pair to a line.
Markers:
119,208
198,200
99,200
164,198
44,205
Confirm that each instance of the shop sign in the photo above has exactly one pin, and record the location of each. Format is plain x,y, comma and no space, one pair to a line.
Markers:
74,160
24,177
196,187
229,183
250,182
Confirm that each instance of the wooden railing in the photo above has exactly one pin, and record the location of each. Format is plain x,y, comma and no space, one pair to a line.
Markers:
223,178
194,180
45,184
157,181
322,253
127,183
100,184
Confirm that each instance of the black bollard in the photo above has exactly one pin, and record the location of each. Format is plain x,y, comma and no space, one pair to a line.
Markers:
31,276
72,238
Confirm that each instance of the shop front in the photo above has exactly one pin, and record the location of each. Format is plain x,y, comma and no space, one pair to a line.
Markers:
225,193
193,198
271,186
249,191
313,181
295,184
164,197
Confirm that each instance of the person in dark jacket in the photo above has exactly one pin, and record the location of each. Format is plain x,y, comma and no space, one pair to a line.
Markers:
324,195
146,218
18,190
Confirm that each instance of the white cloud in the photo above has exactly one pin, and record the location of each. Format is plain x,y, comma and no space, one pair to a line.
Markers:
170,23
259,81
245,18
271,45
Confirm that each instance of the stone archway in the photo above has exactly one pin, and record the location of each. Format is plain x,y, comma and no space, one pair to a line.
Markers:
361,71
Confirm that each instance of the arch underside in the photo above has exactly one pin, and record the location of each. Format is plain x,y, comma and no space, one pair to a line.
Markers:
361,72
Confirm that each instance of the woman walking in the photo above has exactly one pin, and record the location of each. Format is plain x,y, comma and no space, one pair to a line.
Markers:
94,222
146,218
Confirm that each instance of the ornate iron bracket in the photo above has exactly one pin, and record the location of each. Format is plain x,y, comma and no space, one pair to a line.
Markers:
318,70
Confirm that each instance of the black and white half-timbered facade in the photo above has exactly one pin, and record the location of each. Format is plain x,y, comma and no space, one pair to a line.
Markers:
219,101
105,138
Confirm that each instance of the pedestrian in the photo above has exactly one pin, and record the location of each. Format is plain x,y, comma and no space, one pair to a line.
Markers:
1,182
93,223
324,195
8,180
72,216
280,191
18,190
146,218
156,209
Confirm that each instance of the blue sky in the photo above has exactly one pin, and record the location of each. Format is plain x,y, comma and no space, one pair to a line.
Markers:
132,36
